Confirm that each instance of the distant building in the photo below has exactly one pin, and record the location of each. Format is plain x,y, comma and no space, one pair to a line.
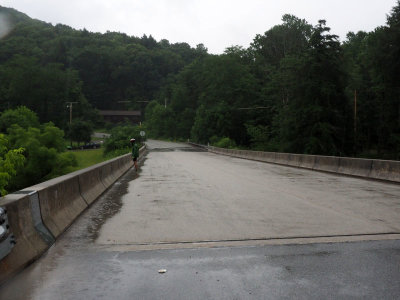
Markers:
119,116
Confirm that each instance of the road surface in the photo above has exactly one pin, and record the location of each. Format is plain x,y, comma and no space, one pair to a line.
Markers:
225,228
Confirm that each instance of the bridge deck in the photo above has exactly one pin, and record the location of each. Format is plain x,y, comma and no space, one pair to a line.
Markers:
188,199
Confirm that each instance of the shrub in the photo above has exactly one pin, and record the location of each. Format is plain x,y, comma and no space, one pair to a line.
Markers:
224,142
120,138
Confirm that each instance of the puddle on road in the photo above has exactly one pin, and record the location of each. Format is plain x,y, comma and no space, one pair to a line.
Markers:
110,203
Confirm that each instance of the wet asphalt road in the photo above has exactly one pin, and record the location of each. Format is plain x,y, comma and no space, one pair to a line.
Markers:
225,228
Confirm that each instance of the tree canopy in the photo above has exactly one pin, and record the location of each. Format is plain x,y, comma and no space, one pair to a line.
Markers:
296,88
30,152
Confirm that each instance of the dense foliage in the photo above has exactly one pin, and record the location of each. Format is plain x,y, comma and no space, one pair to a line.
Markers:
295,89
32,152
44,67
10,161
80,131
119,141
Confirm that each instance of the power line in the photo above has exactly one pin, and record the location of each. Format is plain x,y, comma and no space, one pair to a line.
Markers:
258,107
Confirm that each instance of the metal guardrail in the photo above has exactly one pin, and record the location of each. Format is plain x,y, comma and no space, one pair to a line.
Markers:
7,240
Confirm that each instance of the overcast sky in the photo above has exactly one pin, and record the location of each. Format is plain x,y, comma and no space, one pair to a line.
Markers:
215,23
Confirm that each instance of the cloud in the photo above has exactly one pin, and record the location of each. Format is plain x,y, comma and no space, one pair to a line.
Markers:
215,23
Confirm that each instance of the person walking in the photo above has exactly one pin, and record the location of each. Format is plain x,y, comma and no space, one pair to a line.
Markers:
135,153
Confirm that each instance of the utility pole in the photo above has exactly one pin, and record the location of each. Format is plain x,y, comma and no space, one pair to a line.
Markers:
355,111
355,122
69,104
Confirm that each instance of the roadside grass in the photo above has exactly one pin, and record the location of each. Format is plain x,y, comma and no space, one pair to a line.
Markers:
68,143
77,145
87,158
103,130
90,157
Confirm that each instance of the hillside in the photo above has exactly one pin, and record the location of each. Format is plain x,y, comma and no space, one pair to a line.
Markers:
102,68
13,16
295,89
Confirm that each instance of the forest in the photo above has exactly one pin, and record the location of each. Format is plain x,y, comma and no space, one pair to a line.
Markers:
296,88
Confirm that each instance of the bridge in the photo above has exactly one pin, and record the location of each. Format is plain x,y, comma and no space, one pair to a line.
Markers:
192,224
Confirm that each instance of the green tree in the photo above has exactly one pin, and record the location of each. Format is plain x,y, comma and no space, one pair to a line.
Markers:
260,137
119,139
291,90
209,122
43,89
21,116
160,120
11,160
384,64
311,117
289,38
80,131
210,86
372,67
42,152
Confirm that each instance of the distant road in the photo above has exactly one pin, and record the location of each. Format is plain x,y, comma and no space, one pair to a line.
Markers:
101,135
225,228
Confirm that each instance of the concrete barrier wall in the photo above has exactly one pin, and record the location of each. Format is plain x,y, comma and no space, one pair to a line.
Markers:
385,170
295,160
281,158
107,175
197,145
59,202
113,169
267,156
307,161
29,244
366,168
125,163
326,163
355,166
91,186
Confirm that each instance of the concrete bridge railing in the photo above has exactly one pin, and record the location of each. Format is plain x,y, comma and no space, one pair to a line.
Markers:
386,170
39,214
